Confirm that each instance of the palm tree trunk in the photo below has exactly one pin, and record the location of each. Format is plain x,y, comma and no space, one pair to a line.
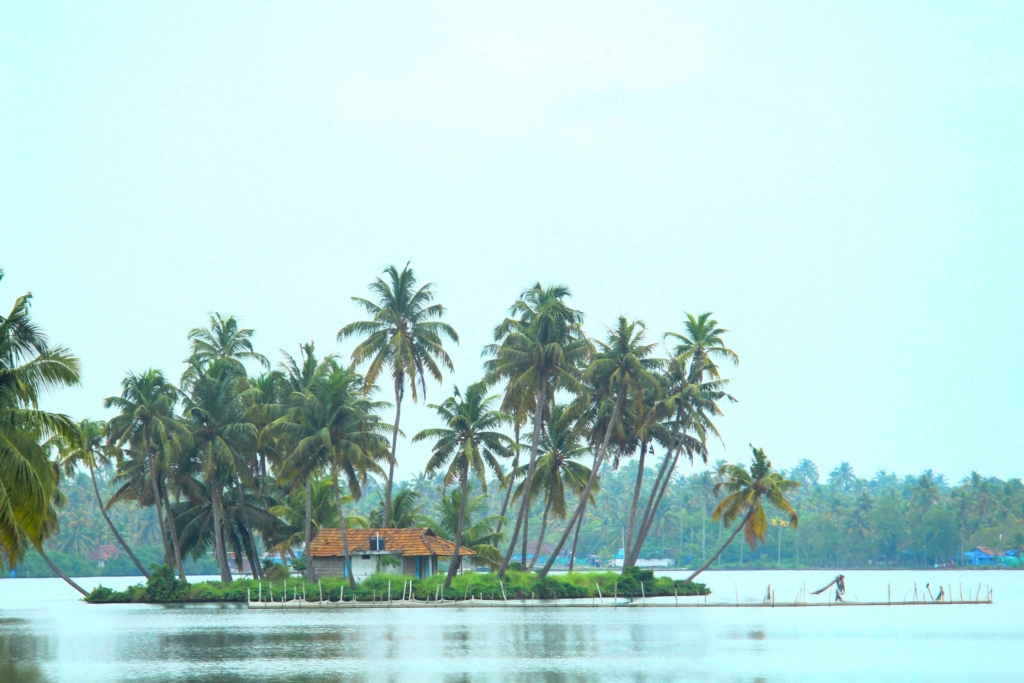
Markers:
218,537
576,539
157,500
464,490
524,507
627,552
308,529
113,529
508,491
257,570
58,572
724,545
598,461
344,533
175,544
652,510
543,528
394,445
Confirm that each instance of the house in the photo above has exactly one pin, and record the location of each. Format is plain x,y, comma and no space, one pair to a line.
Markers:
412,552
103,554
982,555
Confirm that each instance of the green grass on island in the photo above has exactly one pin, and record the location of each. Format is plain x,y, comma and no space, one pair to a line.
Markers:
162,587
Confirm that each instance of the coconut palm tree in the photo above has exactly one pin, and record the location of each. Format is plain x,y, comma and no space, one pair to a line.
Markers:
92,452
334,427
144,426
701,343
557,471
29,366
469,442
805,472
478,532
622,369
744,500
405,337
222,340
540,349
405,511
220,440
843,478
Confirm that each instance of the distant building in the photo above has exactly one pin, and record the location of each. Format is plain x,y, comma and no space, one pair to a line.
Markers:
412,552
983,555
649,563
104,553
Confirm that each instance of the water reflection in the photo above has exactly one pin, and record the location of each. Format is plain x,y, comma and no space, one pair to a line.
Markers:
22,652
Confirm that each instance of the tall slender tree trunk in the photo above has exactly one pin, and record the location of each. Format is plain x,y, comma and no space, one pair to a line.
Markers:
598,461
524,507
724,545
576,539
58,572
464,490
543,528
113,529
508,490
344,532
653,509
394,444
157,500
218,536
704,531
175,543
628,550
257,570
308,530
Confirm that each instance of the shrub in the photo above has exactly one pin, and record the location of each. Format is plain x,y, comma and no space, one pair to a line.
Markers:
162,586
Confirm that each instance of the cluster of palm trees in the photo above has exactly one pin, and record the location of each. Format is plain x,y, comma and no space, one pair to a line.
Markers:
230,460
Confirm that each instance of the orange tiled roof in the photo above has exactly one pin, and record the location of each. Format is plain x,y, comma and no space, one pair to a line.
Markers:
408,542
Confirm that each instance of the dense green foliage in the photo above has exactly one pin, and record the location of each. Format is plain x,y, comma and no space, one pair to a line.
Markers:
163,587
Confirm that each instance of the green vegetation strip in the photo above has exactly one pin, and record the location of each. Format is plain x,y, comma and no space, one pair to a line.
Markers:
162,587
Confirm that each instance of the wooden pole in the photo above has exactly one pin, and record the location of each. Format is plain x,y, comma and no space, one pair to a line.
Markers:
320,585
599,592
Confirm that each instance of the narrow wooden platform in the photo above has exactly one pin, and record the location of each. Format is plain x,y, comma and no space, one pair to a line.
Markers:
586,604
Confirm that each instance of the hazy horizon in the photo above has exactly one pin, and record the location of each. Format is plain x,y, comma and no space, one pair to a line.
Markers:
840,186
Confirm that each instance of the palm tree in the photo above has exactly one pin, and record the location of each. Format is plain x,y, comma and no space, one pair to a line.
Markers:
334,427
843,477
692,401
557,470
478,532
92,452
467,443
29,366
405,335
621,369
541,349
805,472
221,441
223,340
745,493
405,511
701,343
146,424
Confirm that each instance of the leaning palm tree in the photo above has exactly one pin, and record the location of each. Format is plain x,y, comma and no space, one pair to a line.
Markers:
29,366
621,370
467,443
92,452
557,472
405,336
540,349
145,425
746,491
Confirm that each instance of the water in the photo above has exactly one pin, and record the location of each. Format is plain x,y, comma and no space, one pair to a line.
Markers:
48,635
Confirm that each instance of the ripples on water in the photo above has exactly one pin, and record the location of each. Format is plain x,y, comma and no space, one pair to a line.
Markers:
48,636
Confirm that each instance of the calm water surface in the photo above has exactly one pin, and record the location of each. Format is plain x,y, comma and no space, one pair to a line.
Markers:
48,635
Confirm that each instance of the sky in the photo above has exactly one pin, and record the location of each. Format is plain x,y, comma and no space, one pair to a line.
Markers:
839,183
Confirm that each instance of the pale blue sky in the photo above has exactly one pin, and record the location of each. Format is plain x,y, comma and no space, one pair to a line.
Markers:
841,183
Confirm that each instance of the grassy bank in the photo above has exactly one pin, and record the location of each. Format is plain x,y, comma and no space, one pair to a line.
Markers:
164,588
